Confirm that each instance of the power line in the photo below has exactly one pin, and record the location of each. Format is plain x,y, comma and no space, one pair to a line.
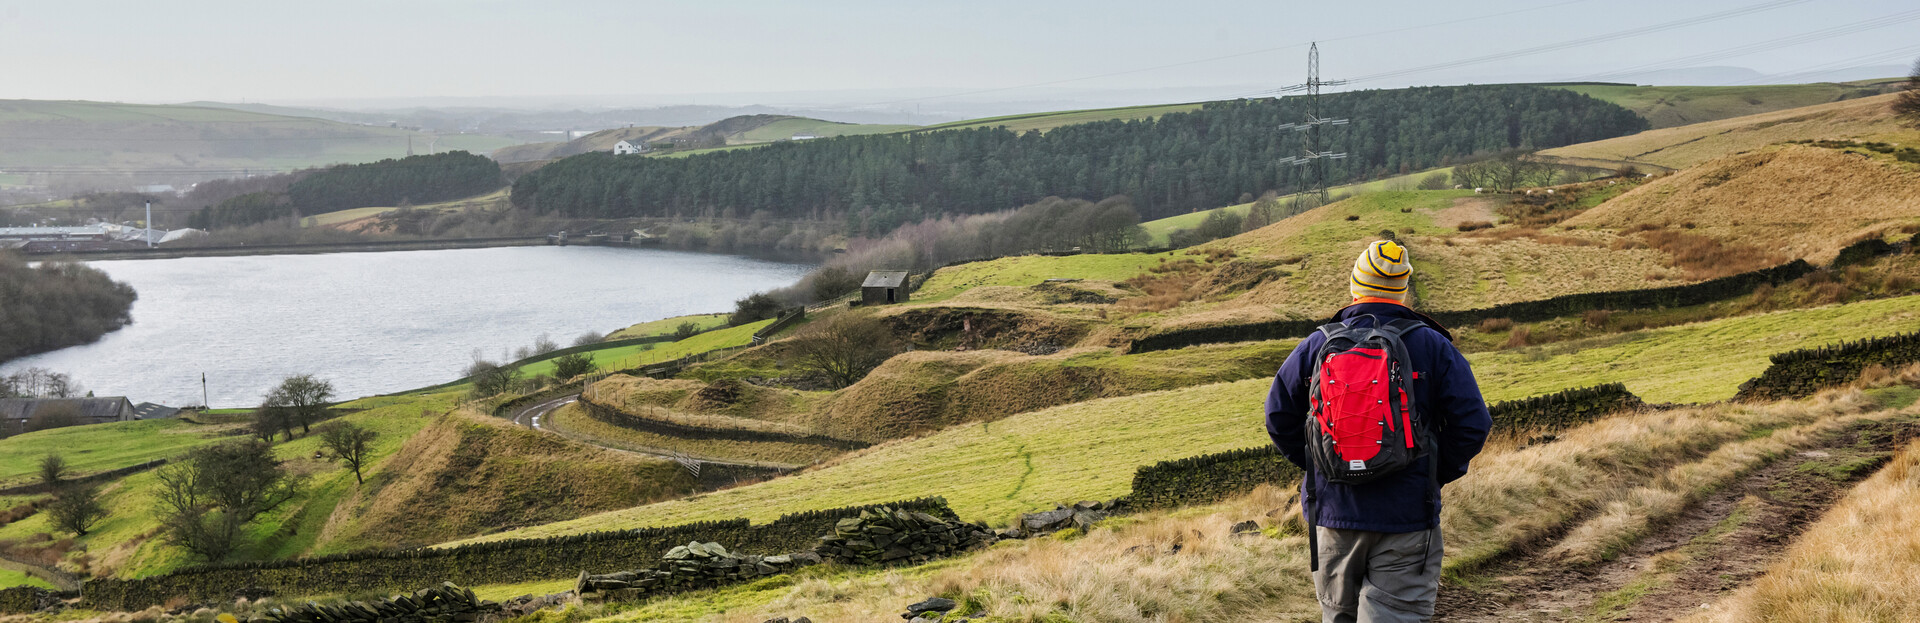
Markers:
1770,44
1574,43
1850,63
1230,56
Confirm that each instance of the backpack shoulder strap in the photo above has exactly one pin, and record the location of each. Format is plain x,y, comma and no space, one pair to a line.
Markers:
1333,329
1399,327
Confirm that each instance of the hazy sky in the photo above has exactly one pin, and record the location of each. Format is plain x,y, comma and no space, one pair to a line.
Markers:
159,51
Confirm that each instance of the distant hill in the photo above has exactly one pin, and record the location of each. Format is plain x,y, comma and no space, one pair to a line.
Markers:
1670,106
82,144
1679,147
1044,121
734,131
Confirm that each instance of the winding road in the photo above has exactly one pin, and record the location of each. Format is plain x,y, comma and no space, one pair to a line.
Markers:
534,416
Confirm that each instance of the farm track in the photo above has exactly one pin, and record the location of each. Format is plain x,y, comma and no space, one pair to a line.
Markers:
536,417
1719,544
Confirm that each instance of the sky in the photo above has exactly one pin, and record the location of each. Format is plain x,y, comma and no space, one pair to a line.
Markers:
890,53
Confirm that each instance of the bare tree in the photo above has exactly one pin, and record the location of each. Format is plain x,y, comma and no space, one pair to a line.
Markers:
846,347
348,442
39,383
302,398
1907,104
208,499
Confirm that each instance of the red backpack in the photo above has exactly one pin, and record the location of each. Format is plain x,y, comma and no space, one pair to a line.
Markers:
1361,423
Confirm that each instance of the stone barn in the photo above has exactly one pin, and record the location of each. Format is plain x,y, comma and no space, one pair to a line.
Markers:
16,414
883,287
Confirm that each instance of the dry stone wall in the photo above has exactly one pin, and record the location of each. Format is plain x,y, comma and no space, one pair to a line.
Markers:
1800,373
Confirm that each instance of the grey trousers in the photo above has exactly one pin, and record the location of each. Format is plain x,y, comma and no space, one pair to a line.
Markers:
1377,577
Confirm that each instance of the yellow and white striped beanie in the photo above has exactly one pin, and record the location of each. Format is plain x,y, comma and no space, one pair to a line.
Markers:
1382,272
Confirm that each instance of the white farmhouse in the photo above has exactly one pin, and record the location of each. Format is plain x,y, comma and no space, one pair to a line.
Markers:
625,147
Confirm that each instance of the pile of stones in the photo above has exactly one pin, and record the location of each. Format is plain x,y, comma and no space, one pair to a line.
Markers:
1081,515
892,536
440,604
692,566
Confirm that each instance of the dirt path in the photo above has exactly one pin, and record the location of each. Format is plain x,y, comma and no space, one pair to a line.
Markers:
536,417
1719,544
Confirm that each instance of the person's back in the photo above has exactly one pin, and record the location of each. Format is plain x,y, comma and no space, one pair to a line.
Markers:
1378,544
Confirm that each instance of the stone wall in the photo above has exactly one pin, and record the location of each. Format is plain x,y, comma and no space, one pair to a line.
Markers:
496,562
1800,373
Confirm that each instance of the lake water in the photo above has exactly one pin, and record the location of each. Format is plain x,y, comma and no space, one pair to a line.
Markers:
375,323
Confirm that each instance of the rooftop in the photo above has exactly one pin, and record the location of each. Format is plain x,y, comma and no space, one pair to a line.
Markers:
885,279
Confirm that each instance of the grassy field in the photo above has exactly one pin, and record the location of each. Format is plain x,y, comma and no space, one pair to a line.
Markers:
666,326
100,447
491,201
1684,146
1688,363
784,129
1671,106
1027,270
624,357
123,543
56,134
10,578
1049,120
1159,229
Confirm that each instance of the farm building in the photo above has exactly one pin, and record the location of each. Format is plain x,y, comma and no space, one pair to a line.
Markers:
883,287
634,146
15,413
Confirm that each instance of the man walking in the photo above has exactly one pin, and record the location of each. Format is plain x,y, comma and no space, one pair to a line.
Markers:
1380,410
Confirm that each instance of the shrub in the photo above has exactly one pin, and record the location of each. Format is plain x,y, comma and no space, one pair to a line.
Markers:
1518,338
1495,325
571,365
1597,318
685,330
756,307
1474,226
590,337
1434,181
1353,217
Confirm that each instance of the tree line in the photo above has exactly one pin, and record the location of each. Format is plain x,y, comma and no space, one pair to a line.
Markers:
56,305
390,182
1174,164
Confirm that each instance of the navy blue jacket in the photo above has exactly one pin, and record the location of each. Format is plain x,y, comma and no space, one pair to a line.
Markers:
1444,394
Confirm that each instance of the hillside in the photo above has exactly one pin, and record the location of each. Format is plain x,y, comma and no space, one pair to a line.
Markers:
1802,201
734,131
1672,106
1867,118
1044,121
180,144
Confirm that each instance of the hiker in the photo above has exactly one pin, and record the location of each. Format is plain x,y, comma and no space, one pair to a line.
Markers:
1374,467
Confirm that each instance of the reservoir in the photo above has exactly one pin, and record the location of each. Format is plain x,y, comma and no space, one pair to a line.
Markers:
375,323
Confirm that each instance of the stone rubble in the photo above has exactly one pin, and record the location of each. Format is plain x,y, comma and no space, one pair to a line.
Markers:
445,603
891,536
692,566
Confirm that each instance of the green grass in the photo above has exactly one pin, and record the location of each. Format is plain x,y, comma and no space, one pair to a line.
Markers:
124,536
1688,363
10,578
1669,106
99,447
987,471
666,326
624,357
1044,121
1027,270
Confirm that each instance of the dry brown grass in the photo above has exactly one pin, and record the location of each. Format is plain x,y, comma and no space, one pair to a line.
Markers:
1183,567
470,473
1166,286
1685,146
1861,562
1794,201
1517,499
